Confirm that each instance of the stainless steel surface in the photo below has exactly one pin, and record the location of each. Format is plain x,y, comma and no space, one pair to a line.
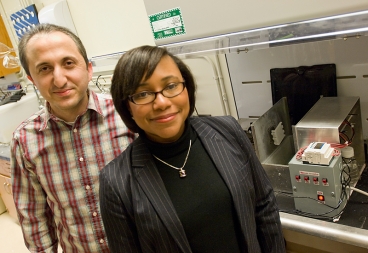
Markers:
325,121
323,229
274,158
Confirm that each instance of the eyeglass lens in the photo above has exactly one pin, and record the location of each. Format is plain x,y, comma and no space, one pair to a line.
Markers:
145,97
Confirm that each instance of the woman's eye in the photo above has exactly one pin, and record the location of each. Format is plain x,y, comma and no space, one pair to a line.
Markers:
171,86
143,94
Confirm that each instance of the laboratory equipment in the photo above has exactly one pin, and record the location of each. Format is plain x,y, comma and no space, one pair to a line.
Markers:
5,50
335,120
9,61
349,163
319,191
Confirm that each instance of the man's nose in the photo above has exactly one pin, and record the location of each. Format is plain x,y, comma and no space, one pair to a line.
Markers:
59,77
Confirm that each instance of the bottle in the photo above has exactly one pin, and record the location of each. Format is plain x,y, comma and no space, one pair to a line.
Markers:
349,164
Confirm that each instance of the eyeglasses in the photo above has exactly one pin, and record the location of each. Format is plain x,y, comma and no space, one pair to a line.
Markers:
145,97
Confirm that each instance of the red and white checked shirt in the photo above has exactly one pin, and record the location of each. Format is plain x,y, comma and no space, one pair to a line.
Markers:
55,169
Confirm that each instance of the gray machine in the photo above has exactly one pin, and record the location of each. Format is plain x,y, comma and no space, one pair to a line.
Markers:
330,119
318,190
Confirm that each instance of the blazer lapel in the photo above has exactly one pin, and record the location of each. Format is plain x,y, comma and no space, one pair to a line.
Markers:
150,180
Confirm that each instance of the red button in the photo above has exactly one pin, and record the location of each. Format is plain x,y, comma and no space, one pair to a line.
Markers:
297,177
315,179
306,178
324,180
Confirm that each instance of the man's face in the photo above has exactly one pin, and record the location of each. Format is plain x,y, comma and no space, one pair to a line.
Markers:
60,73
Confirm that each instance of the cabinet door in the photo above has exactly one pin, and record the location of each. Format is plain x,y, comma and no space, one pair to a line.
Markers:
4,38
7,195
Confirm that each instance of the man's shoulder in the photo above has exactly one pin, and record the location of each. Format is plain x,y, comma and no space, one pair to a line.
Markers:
34,122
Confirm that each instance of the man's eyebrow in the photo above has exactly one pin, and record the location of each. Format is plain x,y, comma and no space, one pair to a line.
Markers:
66,58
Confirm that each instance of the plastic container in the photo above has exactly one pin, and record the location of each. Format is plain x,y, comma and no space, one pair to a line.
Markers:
349,163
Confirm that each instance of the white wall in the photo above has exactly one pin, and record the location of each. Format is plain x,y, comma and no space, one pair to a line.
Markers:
105,27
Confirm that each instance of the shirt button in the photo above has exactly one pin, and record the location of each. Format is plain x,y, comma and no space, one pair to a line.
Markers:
94,214
75,130
81,159
88,187
102,241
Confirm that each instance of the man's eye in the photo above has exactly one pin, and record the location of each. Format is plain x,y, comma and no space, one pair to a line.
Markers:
44,69
69,63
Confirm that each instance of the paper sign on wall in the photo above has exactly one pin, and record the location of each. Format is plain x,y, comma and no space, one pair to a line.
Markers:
167,24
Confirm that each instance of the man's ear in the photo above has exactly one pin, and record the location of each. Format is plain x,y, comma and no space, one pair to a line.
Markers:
30,79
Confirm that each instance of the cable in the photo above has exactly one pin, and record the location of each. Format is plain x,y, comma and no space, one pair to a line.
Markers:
196,111
98,84
357,190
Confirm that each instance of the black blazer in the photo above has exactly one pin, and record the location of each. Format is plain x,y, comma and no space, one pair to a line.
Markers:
139,216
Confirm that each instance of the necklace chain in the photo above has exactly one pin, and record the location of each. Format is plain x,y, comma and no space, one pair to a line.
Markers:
181,171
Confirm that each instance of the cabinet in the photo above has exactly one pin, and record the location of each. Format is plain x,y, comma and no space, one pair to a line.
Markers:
4,38
7,196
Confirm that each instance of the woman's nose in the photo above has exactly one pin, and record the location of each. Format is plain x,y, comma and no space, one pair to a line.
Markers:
161,102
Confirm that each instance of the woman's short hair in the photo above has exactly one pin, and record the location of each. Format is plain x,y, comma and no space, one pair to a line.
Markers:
132,67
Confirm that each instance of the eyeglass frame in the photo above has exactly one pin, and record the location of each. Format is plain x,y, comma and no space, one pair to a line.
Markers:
130,97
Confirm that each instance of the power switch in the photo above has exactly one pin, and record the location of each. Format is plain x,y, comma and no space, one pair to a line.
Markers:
324,181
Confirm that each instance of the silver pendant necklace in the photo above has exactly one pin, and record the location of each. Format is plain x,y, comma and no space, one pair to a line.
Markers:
181,171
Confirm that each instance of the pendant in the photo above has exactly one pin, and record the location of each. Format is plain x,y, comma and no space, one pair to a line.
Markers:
182,173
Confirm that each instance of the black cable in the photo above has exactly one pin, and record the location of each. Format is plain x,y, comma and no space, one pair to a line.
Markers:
97,84
196,111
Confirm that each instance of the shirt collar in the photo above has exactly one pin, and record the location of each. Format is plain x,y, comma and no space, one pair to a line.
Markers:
93,104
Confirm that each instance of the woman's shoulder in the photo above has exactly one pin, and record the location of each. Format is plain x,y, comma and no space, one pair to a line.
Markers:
215,121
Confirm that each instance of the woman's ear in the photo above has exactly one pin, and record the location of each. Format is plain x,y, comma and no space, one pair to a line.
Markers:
130,110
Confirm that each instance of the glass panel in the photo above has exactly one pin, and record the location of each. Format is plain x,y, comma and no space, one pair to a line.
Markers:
334,27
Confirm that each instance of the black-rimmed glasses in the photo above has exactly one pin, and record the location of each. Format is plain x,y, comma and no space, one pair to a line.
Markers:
145,97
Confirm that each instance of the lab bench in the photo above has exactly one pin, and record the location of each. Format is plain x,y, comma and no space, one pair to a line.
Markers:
348,234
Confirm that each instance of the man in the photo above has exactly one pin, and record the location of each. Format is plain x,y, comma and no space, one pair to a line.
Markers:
58,152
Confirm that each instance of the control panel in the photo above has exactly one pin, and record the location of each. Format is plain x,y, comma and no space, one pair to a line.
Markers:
318,190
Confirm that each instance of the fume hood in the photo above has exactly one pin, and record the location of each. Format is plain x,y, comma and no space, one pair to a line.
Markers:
245,56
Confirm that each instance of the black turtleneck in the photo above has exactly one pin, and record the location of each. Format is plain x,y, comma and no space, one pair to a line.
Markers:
201,199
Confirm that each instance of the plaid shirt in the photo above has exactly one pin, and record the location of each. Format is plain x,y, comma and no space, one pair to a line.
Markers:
55,169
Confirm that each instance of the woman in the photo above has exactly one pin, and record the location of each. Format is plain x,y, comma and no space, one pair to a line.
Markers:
187,184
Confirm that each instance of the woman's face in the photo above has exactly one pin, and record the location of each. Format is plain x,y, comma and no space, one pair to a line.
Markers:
163,119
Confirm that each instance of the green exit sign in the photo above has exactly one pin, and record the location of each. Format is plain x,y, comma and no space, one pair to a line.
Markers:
167,24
